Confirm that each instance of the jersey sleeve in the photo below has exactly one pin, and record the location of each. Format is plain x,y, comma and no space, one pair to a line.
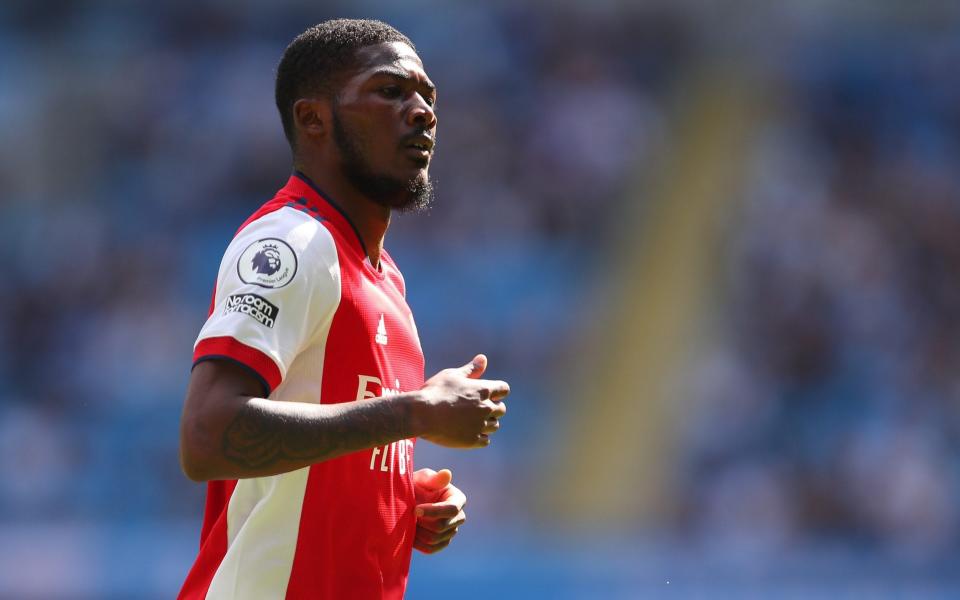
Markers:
278,284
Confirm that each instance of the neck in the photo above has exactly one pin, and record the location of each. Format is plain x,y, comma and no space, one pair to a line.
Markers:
370,218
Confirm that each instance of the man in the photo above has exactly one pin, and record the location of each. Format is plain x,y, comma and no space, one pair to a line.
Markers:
307,391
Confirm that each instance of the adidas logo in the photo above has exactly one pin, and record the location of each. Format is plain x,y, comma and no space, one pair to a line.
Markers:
381,336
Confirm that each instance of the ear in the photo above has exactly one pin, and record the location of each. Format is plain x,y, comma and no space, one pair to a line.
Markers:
312,117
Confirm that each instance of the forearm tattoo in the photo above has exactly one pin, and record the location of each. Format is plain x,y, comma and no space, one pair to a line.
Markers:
260,438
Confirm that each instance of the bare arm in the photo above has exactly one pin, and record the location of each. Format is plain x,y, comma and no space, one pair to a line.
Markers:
228,431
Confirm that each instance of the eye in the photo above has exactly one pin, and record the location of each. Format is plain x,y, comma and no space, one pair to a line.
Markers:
391,91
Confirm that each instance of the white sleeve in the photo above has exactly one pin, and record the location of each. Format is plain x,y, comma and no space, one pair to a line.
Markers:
279,282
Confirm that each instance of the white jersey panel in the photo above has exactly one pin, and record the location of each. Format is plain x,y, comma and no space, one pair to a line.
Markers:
263,513
278,286
263,523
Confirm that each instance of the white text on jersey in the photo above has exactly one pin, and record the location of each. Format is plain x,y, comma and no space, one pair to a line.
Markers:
394,456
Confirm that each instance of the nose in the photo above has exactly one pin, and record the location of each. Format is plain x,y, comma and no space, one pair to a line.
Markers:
421,114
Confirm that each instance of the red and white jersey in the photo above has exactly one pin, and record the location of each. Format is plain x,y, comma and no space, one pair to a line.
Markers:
298,303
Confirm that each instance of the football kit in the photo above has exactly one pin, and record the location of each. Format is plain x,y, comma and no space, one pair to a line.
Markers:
298,303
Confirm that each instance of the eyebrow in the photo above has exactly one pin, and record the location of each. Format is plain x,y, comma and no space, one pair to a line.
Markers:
401,74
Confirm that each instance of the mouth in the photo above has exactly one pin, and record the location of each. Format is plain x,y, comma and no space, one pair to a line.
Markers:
420,145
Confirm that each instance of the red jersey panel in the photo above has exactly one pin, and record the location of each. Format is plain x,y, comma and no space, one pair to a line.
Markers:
298,303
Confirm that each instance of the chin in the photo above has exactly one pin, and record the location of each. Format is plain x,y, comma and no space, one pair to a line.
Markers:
418,195
411,191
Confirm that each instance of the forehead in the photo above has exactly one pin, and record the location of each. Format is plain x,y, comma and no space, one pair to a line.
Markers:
396,56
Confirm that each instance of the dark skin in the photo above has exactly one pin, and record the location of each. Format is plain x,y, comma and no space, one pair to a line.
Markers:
389,99
229,430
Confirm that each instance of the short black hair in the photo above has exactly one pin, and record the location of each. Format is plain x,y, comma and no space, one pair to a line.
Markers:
315,60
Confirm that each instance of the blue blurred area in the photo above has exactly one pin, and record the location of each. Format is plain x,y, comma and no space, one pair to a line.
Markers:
819,451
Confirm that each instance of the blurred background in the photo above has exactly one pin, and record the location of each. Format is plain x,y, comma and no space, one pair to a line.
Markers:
714,247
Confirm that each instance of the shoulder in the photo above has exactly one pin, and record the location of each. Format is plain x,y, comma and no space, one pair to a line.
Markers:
272,247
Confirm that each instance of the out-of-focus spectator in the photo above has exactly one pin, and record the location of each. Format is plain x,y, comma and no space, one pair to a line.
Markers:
842,306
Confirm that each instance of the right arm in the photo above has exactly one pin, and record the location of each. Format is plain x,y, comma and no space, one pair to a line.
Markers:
229,431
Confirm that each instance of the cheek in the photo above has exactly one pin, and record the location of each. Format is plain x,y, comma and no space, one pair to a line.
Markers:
382,142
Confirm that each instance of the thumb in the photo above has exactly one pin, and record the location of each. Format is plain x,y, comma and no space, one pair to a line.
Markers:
435,480
475,368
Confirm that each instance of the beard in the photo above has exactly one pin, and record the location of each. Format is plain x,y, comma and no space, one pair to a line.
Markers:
413,195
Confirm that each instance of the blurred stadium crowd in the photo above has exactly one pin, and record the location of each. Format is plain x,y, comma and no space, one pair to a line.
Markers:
829,408
824,407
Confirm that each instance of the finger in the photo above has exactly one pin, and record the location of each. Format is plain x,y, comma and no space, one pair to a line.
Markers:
430,549
427,536
430,480
442,525
497,409
452,495
498,389
490,425
475,368
432,486
422,476
438,510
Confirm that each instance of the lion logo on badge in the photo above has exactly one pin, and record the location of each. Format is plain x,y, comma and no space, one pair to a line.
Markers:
268,263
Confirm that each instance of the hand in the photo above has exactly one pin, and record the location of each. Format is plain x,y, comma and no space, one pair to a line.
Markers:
439,509
460,410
